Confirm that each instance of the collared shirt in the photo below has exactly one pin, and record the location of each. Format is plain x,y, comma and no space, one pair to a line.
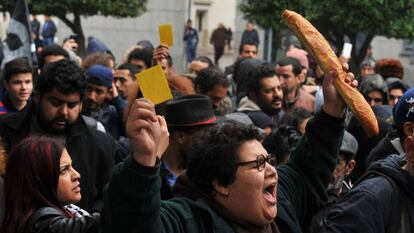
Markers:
168,174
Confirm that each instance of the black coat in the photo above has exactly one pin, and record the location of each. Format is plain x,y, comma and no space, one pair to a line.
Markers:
370,206
382,150
51,220
92,153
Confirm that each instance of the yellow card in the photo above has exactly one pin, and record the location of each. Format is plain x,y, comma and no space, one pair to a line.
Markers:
154,85
166,34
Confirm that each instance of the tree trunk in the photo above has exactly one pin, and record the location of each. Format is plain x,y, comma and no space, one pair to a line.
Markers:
81,37
76,27
359,56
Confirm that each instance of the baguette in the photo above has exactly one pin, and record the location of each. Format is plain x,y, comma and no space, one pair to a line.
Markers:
328,61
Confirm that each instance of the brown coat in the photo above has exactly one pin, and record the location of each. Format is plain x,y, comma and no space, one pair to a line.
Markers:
218,38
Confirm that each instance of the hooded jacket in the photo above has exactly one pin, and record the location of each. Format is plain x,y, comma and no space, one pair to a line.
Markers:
368,207
95,45
259,118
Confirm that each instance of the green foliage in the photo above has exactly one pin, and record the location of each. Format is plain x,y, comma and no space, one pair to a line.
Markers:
393,18
338,18
63,8
117,8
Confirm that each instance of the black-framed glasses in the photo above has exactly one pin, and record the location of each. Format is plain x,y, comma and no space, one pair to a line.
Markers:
261,161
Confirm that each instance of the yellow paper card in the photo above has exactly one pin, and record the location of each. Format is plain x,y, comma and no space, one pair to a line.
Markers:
154,85
166,34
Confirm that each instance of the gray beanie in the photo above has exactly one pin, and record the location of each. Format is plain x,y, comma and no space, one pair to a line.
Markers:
349,144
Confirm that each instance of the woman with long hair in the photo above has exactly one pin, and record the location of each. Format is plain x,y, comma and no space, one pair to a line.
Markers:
40,187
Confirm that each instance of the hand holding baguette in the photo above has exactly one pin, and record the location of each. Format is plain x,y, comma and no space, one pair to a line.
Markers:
322,52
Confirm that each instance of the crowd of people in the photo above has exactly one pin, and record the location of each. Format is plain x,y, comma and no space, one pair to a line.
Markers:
257,147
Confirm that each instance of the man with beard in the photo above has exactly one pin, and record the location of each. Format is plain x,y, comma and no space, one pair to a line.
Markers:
186,116
289,70
55,112
102,101
263,103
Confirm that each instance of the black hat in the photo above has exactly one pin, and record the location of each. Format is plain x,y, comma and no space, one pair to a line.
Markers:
189,111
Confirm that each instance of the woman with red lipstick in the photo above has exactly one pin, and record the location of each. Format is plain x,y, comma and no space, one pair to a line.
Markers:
40,188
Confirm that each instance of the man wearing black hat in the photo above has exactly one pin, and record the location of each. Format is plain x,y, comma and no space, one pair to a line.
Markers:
185,116
99,102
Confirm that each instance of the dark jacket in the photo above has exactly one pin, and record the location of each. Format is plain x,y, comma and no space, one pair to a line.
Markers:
132,201
6,105
250,37
92,153
111,116
51,220
218,38
49,29
383,149
35,26
368,207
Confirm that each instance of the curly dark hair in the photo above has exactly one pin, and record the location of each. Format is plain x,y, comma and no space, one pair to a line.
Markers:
215,153
281,142
55,50
141,54
256,75
65,75
295,117
208,78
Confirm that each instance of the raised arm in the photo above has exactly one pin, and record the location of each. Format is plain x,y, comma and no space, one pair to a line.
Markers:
132,201
303,180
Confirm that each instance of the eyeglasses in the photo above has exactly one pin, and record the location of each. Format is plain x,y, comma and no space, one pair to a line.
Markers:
376,100
261,161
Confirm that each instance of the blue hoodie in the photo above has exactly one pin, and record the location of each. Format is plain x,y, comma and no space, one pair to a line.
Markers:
95,45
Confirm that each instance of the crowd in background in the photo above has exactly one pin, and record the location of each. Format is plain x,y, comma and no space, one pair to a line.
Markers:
256,147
